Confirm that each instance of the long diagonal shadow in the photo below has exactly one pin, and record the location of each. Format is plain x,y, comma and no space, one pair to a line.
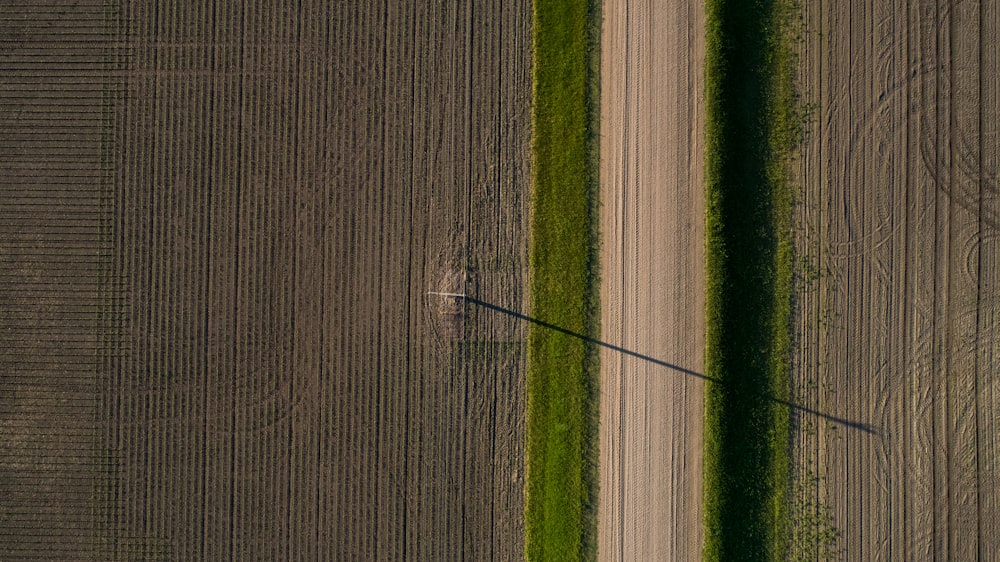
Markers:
795,408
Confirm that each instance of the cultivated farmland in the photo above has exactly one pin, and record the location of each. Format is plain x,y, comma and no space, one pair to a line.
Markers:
218,225
898,313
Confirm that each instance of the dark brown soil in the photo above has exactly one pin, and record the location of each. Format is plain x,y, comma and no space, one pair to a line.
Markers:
218,225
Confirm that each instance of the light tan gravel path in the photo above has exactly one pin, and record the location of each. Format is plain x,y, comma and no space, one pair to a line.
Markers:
652,291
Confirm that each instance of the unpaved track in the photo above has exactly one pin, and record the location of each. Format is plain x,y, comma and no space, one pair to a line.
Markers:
900,331
652,281
243,361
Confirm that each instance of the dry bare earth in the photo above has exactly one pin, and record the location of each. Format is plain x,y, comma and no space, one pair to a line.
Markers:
652,281
220,222
900,331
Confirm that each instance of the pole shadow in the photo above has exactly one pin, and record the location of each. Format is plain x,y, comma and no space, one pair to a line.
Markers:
796,409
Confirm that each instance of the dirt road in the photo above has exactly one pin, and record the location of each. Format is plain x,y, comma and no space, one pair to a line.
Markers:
248,363
652,281
899,314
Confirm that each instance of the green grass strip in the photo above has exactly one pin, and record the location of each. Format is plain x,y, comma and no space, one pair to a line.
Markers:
560,495
750,129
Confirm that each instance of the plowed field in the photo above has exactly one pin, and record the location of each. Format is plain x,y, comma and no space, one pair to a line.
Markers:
899,314
219,222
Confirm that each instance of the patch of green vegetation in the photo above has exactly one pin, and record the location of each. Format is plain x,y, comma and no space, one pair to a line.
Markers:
561,492
787,119
753,125
812,533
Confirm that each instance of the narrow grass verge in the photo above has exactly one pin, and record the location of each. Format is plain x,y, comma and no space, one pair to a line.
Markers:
751,128
561,494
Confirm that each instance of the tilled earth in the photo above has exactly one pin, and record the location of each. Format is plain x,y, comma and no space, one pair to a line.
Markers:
220,224
899,315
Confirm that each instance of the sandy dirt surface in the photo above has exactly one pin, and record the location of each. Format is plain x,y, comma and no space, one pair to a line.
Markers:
899,306
217,341
652,281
